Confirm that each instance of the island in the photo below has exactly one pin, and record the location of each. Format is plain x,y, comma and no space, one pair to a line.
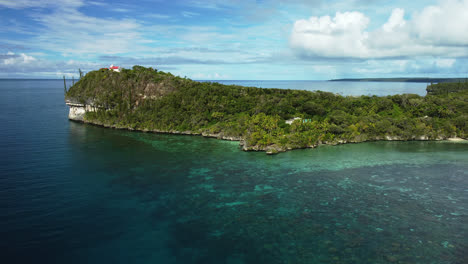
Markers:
270,120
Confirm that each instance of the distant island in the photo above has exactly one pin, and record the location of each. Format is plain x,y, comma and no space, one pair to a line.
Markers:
270,120
415,80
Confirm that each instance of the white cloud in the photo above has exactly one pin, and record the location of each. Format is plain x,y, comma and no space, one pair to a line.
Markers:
341,36
71,32
435,31
19,4
60,27
189,14
16,59
26,65
445,24
120,10
157,16
445,63
96,3
396,21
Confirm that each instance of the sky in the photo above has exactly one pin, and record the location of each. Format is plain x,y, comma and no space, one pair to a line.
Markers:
236,39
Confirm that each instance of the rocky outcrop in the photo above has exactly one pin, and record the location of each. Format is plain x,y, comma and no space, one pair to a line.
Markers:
457,139
78,110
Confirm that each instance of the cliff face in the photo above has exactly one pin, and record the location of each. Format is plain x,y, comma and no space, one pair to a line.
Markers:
107,88
78,111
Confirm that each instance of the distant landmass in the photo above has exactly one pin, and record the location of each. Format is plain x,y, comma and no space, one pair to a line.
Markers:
417,80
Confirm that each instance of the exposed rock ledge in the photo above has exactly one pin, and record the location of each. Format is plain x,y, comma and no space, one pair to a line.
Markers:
78,110
456,139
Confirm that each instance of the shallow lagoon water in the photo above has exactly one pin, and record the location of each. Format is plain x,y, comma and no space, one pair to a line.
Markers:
74,193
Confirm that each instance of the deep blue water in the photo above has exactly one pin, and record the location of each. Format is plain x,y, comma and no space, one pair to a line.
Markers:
74,193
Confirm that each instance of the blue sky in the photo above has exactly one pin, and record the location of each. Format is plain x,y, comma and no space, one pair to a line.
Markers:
236,39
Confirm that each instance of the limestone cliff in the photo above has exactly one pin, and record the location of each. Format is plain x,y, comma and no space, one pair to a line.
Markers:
78,110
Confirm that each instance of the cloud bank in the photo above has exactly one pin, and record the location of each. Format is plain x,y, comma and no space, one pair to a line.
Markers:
439,30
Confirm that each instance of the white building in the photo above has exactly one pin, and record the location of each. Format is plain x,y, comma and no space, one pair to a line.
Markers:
114,68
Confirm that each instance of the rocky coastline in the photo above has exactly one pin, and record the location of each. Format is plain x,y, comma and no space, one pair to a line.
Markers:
78,110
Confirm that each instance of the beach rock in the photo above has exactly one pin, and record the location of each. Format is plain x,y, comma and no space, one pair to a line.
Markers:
456,139
274,149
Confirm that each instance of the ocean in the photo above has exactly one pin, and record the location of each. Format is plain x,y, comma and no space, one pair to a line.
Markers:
76,193
343,88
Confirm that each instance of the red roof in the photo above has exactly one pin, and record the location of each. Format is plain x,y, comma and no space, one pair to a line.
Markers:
114,67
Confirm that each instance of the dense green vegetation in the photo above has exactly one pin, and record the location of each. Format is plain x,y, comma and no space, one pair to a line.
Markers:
151,100
446,88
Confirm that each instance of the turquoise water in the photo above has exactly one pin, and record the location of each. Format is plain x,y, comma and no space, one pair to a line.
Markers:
74,193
